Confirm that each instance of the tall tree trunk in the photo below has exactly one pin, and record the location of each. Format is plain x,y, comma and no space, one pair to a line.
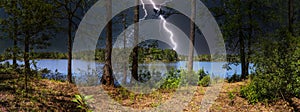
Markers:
291,16
15,47
134,70
192,37
70,51
243,56
242,44
124,42
107,78
250,32
26,60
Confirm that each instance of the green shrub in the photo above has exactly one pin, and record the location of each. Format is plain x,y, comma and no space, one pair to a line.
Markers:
231,96
189,78
205,81
261,89
234,78
277,68
201,74
173,80
6,68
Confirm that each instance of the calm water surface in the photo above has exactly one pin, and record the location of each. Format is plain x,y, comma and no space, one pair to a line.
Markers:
60,65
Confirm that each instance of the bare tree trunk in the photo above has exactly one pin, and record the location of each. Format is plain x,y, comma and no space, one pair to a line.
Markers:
26,60
107,78
192,37
124,42
242,44
242,56
291,16
249,53
70,51
15,45
134,70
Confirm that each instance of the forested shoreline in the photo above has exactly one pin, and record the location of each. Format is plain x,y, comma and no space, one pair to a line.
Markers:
262,33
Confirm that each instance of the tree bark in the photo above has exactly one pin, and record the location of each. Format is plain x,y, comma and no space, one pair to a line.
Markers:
242,44
107,78
249,53
134,70
124,42
69,79
243,57
15,45
192,36
26,60
291,16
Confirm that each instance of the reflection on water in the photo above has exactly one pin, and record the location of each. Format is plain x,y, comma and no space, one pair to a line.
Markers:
59,66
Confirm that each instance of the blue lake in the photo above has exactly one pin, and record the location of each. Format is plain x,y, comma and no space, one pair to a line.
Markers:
78,66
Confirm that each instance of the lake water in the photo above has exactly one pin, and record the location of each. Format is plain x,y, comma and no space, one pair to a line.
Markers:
60,65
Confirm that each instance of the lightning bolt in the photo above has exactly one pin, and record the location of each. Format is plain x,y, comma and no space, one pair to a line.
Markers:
161,17
145,11
146,14
164,23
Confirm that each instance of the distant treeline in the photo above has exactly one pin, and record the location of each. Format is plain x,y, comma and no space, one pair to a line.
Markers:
208,57
49,55
146,55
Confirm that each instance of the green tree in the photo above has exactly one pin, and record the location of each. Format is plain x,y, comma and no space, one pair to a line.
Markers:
72,11
35,25
277,60
241,23
10,26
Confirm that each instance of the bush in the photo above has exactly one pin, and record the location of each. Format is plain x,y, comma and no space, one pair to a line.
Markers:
277,70
201,74
173,80
6,68
205,81
234,78
190,78
264,87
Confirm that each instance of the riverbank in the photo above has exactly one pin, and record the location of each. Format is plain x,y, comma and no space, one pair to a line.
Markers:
51,95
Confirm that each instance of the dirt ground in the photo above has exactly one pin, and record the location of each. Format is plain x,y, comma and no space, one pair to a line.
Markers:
47,95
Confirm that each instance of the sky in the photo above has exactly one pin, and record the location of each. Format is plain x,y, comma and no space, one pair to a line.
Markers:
59,42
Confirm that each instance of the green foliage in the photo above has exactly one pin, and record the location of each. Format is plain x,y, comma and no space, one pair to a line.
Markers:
173,80
82,102
192,77
205,81
277,70
147,55
49,55
234,78
201,74
261,89
231,96
6,68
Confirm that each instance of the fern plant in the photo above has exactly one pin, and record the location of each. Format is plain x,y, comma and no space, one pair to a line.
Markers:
82,102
